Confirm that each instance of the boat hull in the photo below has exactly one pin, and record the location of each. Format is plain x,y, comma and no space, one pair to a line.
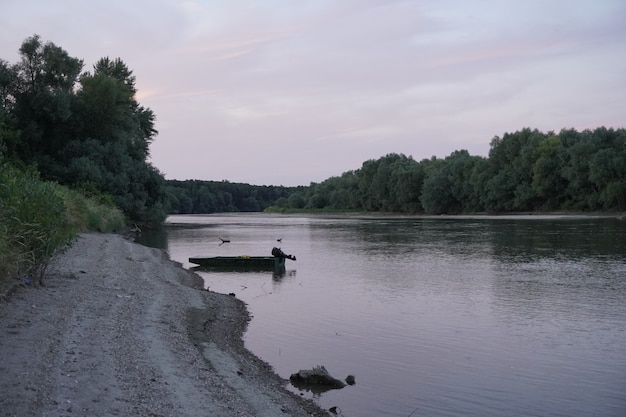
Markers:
240,262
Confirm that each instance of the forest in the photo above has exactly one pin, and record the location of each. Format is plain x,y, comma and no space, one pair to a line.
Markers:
86,130
525,171
201,197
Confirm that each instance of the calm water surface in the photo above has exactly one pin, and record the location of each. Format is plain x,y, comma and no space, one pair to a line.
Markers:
517,316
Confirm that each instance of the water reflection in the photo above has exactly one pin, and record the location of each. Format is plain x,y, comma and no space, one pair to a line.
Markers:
522,241
455,316
509,240
278,274
153,238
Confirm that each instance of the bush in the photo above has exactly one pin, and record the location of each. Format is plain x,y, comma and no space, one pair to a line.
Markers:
34,221
91,213
39,219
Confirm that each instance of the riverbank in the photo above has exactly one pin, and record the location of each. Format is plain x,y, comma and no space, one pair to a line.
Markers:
119,329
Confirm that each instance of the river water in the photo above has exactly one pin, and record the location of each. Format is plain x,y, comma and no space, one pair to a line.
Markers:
434,316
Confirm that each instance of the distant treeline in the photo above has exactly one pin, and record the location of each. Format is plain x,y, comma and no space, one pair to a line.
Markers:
525,171
202,197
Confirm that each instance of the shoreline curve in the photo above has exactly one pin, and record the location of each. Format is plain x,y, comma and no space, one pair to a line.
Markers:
120,329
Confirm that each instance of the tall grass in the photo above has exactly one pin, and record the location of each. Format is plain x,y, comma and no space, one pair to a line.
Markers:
39,219
91,214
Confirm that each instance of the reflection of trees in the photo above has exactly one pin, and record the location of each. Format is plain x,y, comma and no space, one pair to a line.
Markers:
554,272
528,240
507,239
153,238
389,237
561,297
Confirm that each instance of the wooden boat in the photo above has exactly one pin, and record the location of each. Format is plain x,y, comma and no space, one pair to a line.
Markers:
274,262
253,262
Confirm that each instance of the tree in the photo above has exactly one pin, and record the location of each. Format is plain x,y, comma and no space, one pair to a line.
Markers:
581,194
548,182
9,135
93,135
447,186
406,181
436,195
109,111
43,92
510,172
607,171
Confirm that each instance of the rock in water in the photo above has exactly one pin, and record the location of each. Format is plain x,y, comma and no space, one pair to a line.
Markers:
317,376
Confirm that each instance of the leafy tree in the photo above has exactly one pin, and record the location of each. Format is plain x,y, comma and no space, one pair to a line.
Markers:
42,93
88,134
340,193
607,171
9,135
547,181
365,177
406,182
581,193
296,201
511,159
436,196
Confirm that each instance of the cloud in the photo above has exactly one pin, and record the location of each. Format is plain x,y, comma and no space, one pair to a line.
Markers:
292,92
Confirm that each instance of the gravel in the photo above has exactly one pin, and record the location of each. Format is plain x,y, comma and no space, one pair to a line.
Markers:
120,330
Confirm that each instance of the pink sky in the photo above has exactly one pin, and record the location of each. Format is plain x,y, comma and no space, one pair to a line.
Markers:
294,92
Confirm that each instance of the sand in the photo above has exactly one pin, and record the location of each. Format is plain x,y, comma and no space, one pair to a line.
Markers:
120,330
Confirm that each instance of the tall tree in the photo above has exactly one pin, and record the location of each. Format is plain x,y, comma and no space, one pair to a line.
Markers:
109,110
548,182
9,135
43,92
511,159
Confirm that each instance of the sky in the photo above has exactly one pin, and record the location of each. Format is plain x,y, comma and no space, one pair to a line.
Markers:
282,92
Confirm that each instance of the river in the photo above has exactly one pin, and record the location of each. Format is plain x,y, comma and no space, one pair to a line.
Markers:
434,316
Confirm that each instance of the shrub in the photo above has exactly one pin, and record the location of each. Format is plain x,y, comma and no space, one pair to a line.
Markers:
91,213
34,220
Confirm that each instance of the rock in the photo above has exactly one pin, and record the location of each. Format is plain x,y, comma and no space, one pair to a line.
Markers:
318,377
350,380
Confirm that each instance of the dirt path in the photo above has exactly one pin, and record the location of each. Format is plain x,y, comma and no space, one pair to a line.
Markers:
119,330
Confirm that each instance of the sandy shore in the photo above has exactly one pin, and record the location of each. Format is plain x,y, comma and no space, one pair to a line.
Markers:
119,330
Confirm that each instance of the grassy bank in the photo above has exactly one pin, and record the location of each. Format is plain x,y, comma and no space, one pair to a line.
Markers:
39,218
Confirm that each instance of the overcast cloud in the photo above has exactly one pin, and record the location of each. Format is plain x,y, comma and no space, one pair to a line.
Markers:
293,92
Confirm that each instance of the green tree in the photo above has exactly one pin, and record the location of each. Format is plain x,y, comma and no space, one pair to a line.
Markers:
510,171
581,193
448,187
406,181
9,135
548,182
607,171
42,94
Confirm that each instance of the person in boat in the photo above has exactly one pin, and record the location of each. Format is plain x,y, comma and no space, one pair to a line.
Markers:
278,253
